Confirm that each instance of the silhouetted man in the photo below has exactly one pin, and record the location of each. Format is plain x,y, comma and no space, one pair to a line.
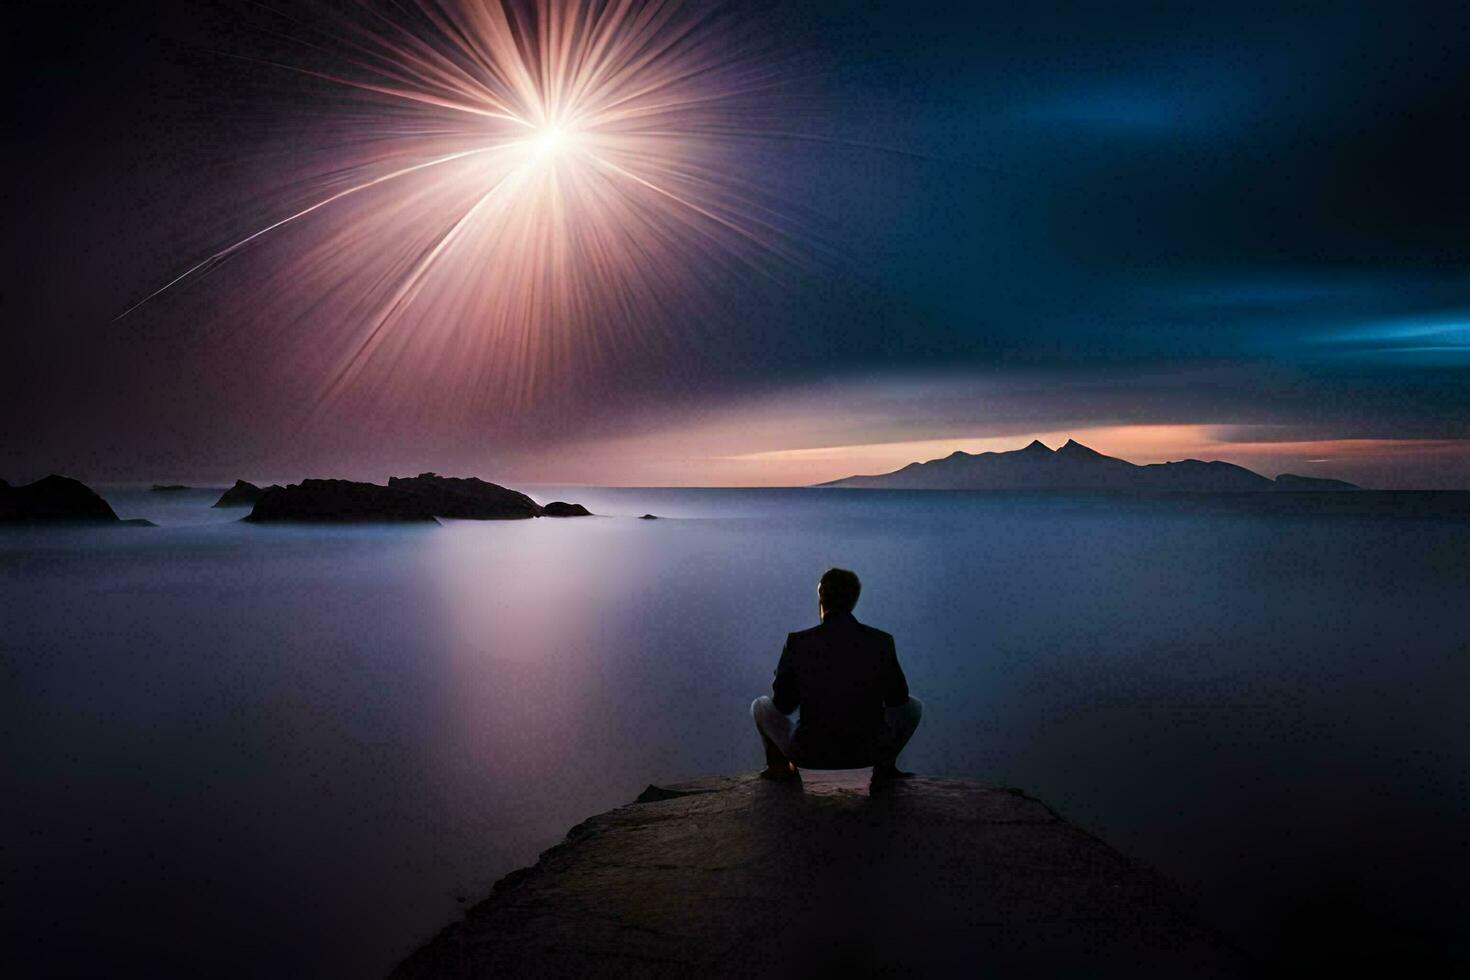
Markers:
845,678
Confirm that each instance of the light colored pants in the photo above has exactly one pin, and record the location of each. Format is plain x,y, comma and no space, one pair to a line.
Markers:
899,725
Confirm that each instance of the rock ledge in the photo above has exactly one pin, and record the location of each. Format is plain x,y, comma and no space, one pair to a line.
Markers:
731,875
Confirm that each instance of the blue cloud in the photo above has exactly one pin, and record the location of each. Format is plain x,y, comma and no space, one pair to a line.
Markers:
1442,341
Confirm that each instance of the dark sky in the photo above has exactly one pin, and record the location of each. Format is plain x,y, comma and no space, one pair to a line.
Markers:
1227,225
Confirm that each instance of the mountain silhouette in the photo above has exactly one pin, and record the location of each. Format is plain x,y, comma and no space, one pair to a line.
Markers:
1076,467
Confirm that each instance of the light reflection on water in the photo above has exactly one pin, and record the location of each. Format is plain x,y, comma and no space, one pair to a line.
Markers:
302,744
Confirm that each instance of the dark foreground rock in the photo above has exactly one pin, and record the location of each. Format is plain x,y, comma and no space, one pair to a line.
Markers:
472,499
735,876
243,494
57,499
560,508
340,502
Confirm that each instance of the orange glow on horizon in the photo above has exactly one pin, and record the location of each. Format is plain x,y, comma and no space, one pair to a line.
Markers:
691,457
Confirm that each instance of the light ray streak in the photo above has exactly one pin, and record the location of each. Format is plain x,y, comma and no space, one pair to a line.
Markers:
225,252
697,209
411,284
405,94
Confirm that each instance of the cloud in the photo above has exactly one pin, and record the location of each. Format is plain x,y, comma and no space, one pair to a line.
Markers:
1434,341
1031,219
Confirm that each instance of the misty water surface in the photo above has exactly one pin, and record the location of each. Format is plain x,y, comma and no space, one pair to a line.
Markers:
287,751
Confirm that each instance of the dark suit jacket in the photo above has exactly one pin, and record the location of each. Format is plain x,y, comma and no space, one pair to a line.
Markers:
840,674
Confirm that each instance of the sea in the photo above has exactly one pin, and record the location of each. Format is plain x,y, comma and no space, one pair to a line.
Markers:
299,751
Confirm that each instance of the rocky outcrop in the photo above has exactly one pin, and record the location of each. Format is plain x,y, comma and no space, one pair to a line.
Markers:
1074,467
418,498
560,508
243,494
471,498
648,517
735,876
56,499
340,502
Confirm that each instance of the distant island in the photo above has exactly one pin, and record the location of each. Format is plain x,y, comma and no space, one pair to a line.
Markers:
415,499
1076,467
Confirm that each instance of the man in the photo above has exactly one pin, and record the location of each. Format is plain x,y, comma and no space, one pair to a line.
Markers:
845,678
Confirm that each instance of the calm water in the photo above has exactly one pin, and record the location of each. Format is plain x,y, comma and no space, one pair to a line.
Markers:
289,751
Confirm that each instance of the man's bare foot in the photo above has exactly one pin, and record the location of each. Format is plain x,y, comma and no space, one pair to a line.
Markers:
884,774
780,773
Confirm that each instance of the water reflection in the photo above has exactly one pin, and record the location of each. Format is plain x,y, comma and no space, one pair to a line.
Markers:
319,738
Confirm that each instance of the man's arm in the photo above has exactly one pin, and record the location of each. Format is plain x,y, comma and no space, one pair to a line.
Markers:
895,685
783,690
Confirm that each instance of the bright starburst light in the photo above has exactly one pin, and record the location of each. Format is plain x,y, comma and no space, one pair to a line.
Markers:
515,189
552,141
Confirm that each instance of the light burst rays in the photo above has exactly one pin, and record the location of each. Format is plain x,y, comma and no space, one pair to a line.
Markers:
520,195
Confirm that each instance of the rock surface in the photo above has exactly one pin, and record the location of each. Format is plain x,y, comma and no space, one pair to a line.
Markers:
340,502
471,498
56,498
243,494
560,508
733,875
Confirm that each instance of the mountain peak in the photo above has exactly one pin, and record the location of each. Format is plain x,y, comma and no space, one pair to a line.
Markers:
1037,446
1074,448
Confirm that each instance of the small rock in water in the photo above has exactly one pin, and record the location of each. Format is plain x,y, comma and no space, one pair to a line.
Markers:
648,517
560,508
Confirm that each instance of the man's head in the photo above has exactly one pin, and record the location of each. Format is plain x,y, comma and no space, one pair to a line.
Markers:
837,591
